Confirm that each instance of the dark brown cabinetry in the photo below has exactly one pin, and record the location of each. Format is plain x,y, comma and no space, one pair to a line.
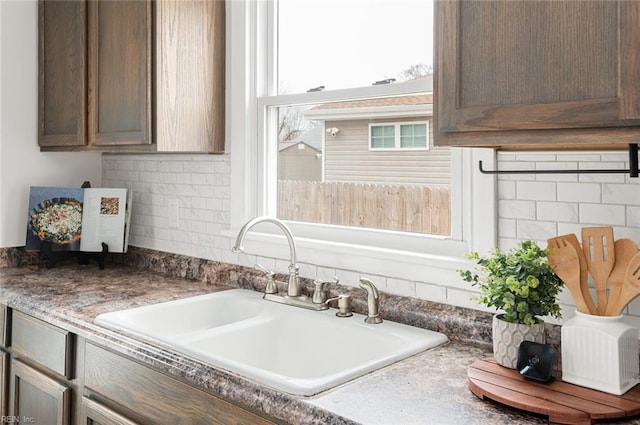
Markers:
94,413
40,371
62,55
51,376
153,396
537,73
38,398
131,76
119,39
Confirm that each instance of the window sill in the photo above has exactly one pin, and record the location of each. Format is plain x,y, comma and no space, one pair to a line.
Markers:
393,261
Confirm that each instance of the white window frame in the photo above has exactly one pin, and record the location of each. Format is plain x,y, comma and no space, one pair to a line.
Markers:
397,145
425,258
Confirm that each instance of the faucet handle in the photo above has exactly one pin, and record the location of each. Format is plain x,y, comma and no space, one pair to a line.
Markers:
271,287
319,292
373,301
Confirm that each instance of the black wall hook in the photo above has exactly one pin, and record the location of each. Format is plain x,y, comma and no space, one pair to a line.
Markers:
632,170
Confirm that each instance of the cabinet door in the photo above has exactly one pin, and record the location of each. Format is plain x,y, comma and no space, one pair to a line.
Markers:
37,398
532,65
93,413
61,76
190,57
119,72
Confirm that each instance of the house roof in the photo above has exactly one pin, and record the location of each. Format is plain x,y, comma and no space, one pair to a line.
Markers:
311,138
383,107
409,100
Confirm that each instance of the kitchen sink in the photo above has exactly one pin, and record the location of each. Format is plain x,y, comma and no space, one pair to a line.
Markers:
294,350
169,320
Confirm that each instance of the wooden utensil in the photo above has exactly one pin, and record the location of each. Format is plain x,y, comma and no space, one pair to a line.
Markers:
563,257
584,272
598,247
630,288
625,250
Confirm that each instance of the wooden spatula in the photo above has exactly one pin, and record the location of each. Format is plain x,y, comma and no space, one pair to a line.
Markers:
598,247
630,288
625,250
563,257
584,272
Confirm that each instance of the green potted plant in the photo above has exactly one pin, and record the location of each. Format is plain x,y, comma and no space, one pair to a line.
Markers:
521,284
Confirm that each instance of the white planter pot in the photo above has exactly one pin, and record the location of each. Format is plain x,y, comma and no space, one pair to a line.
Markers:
600,352
507,337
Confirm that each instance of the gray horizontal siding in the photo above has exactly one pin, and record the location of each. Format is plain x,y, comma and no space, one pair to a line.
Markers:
348,158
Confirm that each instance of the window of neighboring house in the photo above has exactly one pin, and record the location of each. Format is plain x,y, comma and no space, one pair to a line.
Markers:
398,136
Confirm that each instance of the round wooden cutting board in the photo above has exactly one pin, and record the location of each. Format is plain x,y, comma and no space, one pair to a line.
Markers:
562,402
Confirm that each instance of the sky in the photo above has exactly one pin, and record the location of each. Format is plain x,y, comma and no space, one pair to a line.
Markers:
351,43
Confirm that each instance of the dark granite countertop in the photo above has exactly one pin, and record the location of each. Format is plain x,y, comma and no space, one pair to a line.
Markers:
428,388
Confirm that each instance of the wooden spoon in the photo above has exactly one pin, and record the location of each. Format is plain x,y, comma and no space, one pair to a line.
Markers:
630,288
598,247
625,250
563,257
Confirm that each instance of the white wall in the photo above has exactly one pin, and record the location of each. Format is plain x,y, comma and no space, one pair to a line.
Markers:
21,163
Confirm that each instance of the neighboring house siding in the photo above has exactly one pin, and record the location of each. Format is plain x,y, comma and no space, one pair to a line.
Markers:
348,158
296,163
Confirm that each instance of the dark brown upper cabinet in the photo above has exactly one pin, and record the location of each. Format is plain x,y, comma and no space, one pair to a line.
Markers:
131,76
62,56
119,73
537,74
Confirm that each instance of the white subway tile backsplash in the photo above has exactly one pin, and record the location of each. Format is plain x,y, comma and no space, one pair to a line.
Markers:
582,200
603,214
431,292
578,157
557,211
579,192
623,194
536,230
506,189
401,287
536,191
633,216
517,209
507,227
530,206
537,157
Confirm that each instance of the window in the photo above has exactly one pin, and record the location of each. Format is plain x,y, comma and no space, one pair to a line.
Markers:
398,136
339,117
345,106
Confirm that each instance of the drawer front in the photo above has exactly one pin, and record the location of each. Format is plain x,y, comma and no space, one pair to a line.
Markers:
93,413
156,397
40,342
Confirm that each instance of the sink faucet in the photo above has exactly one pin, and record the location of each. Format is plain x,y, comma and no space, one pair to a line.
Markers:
373,301
293,287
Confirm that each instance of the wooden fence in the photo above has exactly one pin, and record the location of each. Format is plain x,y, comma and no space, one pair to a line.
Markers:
423,209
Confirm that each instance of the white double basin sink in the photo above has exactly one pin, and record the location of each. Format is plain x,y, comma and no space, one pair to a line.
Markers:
291,349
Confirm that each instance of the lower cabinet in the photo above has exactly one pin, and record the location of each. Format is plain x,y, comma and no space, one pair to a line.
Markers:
37,398
93,413
50,376
154,397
